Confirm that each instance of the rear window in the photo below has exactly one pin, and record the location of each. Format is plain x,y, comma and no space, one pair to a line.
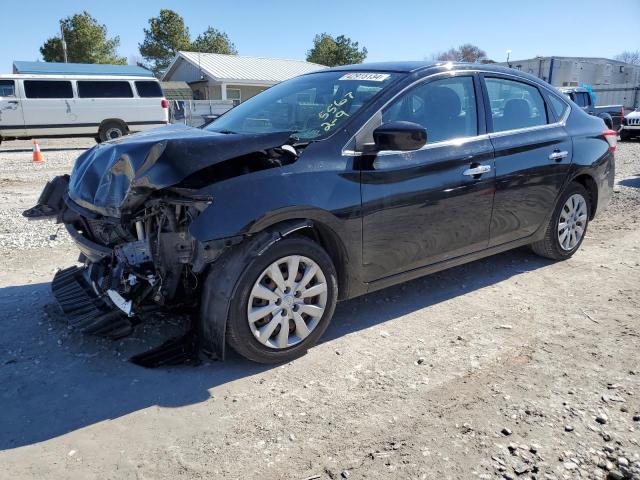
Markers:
7,88
48,89
104,89
149,89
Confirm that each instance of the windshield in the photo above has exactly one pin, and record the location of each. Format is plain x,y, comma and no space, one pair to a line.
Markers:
311,106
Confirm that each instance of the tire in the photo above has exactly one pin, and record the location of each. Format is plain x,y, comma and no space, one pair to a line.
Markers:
550,246
111,131
242,335
624,136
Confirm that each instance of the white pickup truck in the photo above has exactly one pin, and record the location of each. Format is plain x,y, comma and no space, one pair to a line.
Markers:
104,107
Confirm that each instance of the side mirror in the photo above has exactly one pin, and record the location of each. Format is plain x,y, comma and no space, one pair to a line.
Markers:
402,136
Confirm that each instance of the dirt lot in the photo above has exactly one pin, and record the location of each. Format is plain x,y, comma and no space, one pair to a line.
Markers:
509,367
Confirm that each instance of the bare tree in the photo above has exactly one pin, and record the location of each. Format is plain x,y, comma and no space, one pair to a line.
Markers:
629,57
464,53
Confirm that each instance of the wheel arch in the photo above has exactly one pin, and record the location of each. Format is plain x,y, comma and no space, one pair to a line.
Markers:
114,120
589,183
325,235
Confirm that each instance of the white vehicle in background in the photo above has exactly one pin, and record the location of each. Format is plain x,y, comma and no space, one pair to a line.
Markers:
104,107
630,126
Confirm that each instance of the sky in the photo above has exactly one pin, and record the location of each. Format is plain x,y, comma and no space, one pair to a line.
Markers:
400,30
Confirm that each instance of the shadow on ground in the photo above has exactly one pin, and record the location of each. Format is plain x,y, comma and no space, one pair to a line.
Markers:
631,182
50,390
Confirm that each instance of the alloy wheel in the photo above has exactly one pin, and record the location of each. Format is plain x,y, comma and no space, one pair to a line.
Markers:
572,222
287,301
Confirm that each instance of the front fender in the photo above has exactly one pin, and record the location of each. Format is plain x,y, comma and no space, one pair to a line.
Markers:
251,203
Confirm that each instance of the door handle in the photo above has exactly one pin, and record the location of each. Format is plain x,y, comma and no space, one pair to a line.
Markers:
479,170
12,102
557,155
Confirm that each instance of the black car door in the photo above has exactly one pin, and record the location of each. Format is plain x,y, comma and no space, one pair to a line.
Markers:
532,155
428,205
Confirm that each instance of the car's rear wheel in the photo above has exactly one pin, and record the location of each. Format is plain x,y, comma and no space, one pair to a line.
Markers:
568,225
283,301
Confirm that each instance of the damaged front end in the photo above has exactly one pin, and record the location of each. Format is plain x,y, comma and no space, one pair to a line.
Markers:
131,265
128,206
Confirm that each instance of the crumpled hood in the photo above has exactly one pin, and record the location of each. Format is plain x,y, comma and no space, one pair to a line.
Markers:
121,173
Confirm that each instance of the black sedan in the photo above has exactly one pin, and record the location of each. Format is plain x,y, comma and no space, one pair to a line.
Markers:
323,188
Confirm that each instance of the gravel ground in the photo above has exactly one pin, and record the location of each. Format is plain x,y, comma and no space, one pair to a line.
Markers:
509,367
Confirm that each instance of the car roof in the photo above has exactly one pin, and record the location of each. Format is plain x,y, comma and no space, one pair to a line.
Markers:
417,66
435,67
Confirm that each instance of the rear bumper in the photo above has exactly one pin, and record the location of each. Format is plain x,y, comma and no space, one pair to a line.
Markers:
605,184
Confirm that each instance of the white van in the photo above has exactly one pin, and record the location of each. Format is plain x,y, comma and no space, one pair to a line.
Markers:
104,107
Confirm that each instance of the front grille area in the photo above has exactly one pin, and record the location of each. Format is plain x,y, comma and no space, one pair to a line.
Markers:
106,233
633,121
84,309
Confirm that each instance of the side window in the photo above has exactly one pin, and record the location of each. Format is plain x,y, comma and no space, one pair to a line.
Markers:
559,107
445,108
7,88
149,89
514,105
48,89
106,89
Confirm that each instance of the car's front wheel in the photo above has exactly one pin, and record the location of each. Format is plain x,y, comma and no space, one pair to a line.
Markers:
283,301
568,225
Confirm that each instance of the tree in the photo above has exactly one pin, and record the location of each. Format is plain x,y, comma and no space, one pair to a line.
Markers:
214,41
86,40
332,52
166,35
629,57
464,53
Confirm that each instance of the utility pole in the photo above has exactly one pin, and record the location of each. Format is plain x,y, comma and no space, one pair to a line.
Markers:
508,55
64,44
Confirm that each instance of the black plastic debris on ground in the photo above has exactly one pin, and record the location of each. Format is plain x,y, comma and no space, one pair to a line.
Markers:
174,352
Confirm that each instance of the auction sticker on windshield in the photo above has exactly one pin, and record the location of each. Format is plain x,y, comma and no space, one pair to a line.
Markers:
373,77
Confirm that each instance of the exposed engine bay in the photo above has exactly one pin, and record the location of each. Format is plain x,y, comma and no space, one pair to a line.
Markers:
137,253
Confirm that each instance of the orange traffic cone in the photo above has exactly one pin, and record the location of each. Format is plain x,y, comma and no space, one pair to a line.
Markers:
37,154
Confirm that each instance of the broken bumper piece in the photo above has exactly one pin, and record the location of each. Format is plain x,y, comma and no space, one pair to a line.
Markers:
86,310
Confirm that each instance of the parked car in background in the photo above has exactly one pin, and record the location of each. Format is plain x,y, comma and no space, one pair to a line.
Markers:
104,107
324,187
630,125
612,115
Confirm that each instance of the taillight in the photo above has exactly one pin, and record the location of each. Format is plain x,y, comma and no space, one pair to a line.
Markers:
622,118
164,103
612,139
